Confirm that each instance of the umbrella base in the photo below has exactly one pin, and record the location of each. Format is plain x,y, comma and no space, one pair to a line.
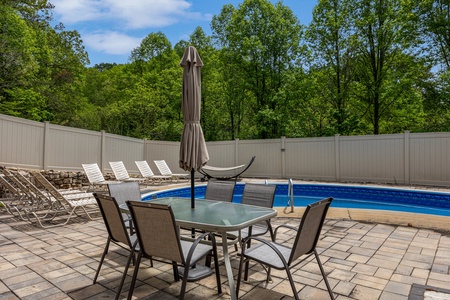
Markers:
196,273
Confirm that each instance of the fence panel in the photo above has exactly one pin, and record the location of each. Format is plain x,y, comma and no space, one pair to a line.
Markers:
430,158
67,148
125,149
420,158
222,154
158,150
312,159
372,158
268,160
21,142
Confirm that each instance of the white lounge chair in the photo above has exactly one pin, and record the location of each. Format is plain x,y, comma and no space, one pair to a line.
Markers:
147,173
121,173
95,177
165,170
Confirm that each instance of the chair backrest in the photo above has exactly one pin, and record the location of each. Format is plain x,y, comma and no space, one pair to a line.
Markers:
119,170
49,187
112,217
220,190
144,168
125,191
32,187
310,227
93,173
259,194
156,230
19,185
163,167
9,186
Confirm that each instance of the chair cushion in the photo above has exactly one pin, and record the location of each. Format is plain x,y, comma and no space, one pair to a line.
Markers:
266,255
200,251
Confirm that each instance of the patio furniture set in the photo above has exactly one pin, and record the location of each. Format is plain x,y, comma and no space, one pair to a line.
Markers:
158,233
155,229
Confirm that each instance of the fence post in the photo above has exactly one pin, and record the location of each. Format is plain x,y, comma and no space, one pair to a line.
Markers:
337,159
406,153
45,146
144,155
102,151
236,152
283,157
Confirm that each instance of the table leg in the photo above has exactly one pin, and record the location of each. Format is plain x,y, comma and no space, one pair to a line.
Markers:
226,258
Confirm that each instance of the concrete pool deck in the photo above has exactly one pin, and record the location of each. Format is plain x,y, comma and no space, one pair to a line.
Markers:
363,260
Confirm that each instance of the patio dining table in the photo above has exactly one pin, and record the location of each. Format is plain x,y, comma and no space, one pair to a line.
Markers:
217,216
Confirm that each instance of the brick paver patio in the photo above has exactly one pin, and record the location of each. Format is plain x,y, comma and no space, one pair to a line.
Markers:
363,261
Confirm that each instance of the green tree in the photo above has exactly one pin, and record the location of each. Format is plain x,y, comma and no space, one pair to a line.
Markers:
381,36
329,37
265,42
434,25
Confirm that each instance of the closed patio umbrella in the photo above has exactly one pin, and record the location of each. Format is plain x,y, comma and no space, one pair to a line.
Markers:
193,152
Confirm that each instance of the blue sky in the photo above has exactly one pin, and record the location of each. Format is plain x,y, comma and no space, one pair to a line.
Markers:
111,29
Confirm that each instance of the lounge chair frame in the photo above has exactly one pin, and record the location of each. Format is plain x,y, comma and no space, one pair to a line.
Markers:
86,203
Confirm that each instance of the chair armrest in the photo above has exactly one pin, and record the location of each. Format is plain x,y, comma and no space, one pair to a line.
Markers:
197,241
267,243
283,226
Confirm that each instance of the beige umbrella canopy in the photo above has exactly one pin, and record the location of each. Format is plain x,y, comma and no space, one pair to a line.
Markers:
193,152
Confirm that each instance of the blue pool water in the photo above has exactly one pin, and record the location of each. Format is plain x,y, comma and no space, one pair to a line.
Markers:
425,202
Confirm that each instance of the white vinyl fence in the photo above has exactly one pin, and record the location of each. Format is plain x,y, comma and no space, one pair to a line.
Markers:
408,158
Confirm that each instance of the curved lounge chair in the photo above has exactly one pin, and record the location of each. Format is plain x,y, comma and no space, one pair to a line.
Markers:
207,170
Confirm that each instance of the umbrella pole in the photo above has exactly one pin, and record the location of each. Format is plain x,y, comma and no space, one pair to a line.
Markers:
192,197
192,189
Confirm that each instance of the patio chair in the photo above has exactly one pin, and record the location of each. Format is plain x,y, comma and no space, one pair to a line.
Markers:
147,173
258,195
164,169
220,190
95,177
121,173
159,239
121,193
84,203
117,233
283,257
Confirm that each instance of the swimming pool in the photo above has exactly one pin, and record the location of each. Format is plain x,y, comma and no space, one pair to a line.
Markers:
359,197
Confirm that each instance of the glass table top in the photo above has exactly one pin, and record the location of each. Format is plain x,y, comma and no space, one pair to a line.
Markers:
214,215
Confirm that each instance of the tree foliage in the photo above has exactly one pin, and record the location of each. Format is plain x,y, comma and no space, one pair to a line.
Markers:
360,67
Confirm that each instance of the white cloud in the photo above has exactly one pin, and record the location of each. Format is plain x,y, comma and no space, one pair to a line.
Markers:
74,11
132,14
110,42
